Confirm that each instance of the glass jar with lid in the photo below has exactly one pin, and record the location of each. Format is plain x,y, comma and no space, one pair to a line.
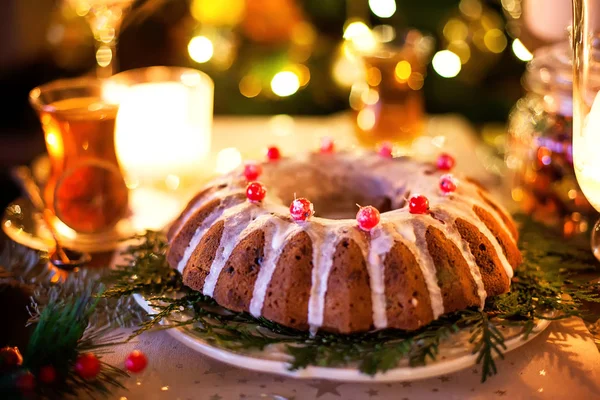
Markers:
540,153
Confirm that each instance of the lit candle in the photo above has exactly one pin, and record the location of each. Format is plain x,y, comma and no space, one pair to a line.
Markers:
163,134
586,155
163,129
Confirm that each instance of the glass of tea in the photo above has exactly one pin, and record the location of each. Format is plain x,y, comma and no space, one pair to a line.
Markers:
388,104
85,189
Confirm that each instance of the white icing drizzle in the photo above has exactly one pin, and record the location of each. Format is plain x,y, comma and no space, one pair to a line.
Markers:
454,236
275,240
381,243
323,174
414,239
208,222
242,220
324,244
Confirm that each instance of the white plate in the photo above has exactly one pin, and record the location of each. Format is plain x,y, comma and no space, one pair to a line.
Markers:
454,355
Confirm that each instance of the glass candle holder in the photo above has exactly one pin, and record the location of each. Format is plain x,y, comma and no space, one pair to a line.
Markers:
162,137
586,104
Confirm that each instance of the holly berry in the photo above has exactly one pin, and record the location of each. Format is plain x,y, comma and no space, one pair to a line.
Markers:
418,204
273,153
445,162
327,145
87,366
255,191
136,361
10,357
252,171
47,374
385,150
367,218
301,209
25,382
447,183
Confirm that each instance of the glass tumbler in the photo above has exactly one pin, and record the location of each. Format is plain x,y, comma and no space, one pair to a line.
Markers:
85,189
388,105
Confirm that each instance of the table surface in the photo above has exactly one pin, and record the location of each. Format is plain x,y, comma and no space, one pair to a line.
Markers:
562,362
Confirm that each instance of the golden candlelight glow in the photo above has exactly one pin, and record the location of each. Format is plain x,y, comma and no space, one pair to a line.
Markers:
163,128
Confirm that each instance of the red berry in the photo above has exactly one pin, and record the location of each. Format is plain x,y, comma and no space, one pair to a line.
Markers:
255,191
273,153
385,150
87,366
367,218
418,204
10,357
301,209
445,162
47,374
448,183
25,382
252,171
327,145
136,361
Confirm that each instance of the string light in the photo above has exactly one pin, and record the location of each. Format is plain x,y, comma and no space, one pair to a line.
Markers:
360,35
446,63
200,49
285,83
383,8
521,51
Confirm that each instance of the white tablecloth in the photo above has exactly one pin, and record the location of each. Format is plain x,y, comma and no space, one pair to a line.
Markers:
561,363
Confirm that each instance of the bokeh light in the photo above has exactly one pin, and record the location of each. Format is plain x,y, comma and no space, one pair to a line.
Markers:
285,83
360,35
250,86
521,51
366,119
495,40
446,63
200,49
383,8
221,12
403,71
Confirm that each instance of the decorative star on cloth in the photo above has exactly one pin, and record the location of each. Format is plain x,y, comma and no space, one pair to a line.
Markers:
325,387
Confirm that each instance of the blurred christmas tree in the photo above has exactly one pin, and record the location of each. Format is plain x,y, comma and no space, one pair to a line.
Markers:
283,56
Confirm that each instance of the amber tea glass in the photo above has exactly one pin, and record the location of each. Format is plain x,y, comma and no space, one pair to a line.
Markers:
388,105
85,189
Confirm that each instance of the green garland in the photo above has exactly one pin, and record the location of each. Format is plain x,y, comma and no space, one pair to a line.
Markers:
538,292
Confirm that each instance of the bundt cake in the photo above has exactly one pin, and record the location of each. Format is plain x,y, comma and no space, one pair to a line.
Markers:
326,273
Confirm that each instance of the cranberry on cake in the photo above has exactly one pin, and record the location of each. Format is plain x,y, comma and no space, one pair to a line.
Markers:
423,243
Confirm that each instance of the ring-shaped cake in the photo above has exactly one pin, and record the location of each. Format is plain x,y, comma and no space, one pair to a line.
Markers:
326,273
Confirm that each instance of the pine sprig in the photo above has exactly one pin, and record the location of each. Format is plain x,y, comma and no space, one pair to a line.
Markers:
146,270
543,288
62,332
488,343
